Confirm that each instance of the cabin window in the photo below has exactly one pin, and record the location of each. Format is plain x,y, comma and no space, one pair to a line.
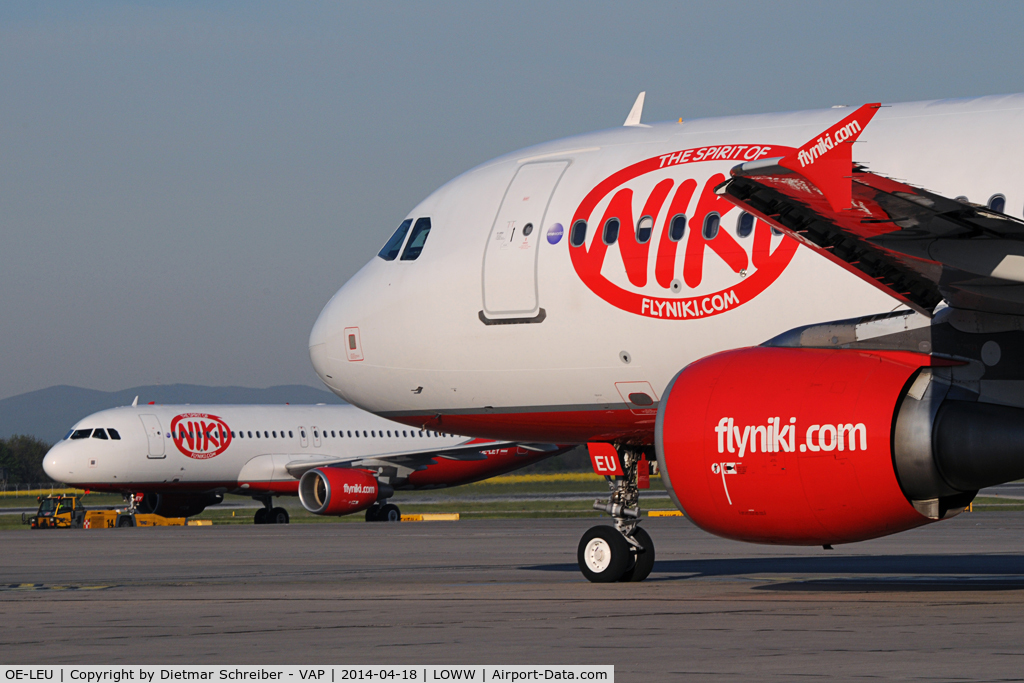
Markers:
390,250
99,434
364,433
316,434
744,225
290,434
113,434
416,240
644,228
997,202
611,231
711,223
350,434
677,227
250,434
232,433
527,229
578,233
405,434
81,434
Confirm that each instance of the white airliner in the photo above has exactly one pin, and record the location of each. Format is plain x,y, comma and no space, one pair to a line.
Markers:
662,290
176,460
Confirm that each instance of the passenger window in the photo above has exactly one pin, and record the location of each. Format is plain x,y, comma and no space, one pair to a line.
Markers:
350,434
677,228
389,433
997,202
113,434
81,434
232,433
99,434
611,231
416,240
744,225
404,433
266,435
357,433
527,229
257,434
711,223
578,234
390,250
316,434
290,436
250,434
364,432
644,228
303,433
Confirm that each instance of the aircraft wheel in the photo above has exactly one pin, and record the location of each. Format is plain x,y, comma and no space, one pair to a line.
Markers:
261,516
604,555
373,513
644,562
278,516
390,513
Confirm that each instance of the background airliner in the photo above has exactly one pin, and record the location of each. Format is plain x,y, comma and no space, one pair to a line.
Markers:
337,459
663,288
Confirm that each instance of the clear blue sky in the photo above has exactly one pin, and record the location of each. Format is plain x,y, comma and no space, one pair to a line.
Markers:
184,185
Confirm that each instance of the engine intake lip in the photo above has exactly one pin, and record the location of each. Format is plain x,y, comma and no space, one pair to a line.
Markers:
314,491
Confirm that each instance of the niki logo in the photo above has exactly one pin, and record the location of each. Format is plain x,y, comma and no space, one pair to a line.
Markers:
661,217
199,435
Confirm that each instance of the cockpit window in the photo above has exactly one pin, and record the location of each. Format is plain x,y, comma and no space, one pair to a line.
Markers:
99,434
394,245
81,433
68,435
416,240
113,434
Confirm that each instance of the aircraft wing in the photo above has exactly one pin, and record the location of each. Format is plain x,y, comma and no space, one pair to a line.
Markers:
407,462
918,246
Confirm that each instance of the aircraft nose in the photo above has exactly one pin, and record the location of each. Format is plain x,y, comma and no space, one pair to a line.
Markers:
56,463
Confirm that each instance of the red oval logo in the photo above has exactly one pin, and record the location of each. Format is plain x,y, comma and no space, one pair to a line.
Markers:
200,435
694,275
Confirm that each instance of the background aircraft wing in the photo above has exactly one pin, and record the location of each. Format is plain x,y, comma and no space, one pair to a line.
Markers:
407,462
916,245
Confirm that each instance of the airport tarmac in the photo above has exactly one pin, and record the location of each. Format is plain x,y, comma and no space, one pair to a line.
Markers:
942,602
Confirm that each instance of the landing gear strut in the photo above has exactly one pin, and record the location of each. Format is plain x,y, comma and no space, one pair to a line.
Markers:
624,552
268,514
388,512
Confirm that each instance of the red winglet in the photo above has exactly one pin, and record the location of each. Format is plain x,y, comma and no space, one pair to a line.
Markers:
827,160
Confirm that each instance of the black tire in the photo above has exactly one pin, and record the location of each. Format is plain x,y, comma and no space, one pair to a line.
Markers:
261,516
604,555
125,521
278,516
390,513
373,513
644,562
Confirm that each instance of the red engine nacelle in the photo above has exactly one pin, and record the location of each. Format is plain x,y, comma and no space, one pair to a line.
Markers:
791,446
337,491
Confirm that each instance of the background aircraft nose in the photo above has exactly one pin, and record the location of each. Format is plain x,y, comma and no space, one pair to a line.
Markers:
56,463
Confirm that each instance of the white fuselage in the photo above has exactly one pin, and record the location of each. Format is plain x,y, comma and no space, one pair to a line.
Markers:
168,447
493,332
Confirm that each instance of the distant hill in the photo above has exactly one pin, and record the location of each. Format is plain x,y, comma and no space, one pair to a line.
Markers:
48,413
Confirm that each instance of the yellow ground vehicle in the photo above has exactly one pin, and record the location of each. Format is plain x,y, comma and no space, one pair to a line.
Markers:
66,511
59,511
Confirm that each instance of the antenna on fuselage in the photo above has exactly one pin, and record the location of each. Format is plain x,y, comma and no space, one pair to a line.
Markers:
135,402
638,109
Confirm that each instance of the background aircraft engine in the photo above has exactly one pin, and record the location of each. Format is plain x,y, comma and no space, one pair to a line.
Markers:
821,446
339,491
178,504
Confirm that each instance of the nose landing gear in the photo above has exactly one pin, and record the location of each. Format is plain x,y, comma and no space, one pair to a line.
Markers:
623,552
